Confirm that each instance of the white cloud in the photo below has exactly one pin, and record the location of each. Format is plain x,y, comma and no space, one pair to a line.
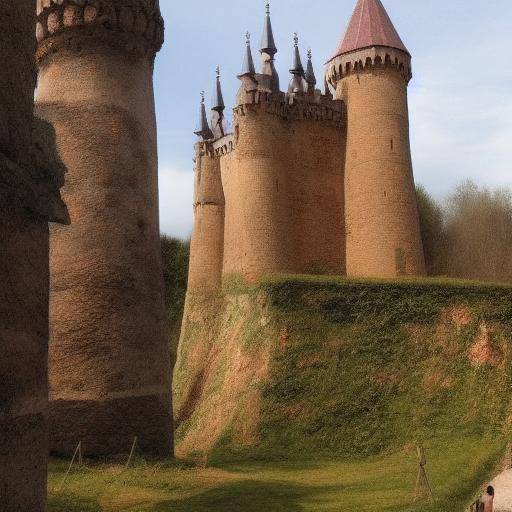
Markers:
461,117
176,195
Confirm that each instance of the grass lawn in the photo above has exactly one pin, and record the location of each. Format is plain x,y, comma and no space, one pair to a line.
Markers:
384,484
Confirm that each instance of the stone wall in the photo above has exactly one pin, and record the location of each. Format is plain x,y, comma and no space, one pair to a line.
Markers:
110,376
383,232
30,177
283,184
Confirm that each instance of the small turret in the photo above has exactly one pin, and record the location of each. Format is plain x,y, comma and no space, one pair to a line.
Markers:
298,83
268,51
218,108
203,128
248,68
310,74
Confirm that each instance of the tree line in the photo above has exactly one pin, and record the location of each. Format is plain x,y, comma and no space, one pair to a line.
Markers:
469,235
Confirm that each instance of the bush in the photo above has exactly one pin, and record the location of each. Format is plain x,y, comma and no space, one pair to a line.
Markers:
175,257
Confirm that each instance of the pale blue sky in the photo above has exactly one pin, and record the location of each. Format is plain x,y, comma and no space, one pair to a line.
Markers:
460,96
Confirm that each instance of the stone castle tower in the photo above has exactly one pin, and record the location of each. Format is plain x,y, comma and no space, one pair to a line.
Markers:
308,183
30,178
109,350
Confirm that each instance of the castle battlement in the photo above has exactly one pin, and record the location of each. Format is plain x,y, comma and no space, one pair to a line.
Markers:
316,107
368,59
307,182
133,25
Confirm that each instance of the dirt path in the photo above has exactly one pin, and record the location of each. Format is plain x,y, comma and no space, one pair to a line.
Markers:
503,488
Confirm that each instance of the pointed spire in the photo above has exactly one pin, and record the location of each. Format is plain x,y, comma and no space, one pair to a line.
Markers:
218,99
310,72
298,83
297,68
203,128
267,40
369,26
248,68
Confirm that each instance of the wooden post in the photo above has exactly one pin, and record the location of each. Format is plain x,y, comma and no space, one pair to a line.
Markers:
422,484
132,451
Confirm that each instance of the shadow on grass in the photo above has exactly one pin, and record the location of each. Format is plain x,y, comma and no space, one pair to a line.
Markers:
68,502
250,496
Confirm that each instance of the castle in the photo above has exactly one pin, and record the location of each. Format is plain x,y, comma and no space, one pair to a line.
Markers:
311,182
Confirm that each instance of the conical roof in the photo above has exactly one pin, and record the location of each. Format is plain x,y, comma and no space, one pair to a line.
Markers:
267,39
203,128
297,67
310,71
218,99
369,26
248,65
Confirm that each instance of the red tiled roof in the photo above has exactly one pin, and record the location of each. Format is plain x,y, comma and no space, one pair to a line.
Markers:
369,26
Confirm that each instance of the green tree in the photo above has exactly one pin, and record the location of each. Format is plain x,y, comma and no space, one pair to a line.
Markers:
432,231
175,256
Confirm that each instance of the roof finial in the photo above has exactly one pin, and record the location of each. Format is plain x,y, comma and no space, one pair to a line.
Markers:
296,39
268,8
248,38
310,54
202,96
217,70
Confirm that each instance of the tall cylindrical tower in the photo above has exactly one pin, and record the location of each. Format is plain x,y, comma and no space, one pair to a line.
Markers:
110,376
370,71
207,244
29,198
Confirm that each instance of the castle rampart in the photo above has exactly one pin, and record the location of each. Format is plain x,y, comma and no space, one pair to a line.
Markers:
274,183
109,354
30,178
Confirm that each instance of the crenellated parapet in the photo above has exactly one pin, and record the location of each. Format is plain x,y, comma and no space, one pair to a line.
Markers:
368,59
299,108
126,25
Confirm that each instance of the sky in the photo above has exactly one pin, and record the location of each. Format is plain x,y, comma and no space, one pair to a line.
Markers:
460,97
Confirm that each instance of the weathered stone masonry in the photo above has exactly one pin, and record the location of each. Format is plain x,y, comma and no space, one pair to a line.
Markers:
30,178
110,376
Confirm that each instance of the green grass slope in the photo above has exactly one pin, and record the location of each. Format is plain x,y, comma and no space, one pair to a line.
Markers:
300,368
376,484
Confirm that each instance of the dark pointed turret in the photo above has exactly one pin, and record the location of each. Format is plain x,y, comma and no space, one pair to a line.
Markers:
267,39
310,74
203,128
218,99
248,68
298,83
269,77
218,108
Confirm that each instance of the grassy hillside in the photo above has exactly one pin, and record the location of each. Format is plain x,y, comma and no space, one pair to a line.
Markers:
299,367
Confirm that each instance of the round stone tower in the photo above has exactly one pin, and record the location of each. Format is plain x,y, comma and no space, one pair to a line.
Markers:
30,177
110,376
370,72
207,244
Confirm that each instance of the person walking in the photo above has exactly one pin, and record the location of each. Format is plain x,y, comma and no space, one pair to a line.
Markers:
487,500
